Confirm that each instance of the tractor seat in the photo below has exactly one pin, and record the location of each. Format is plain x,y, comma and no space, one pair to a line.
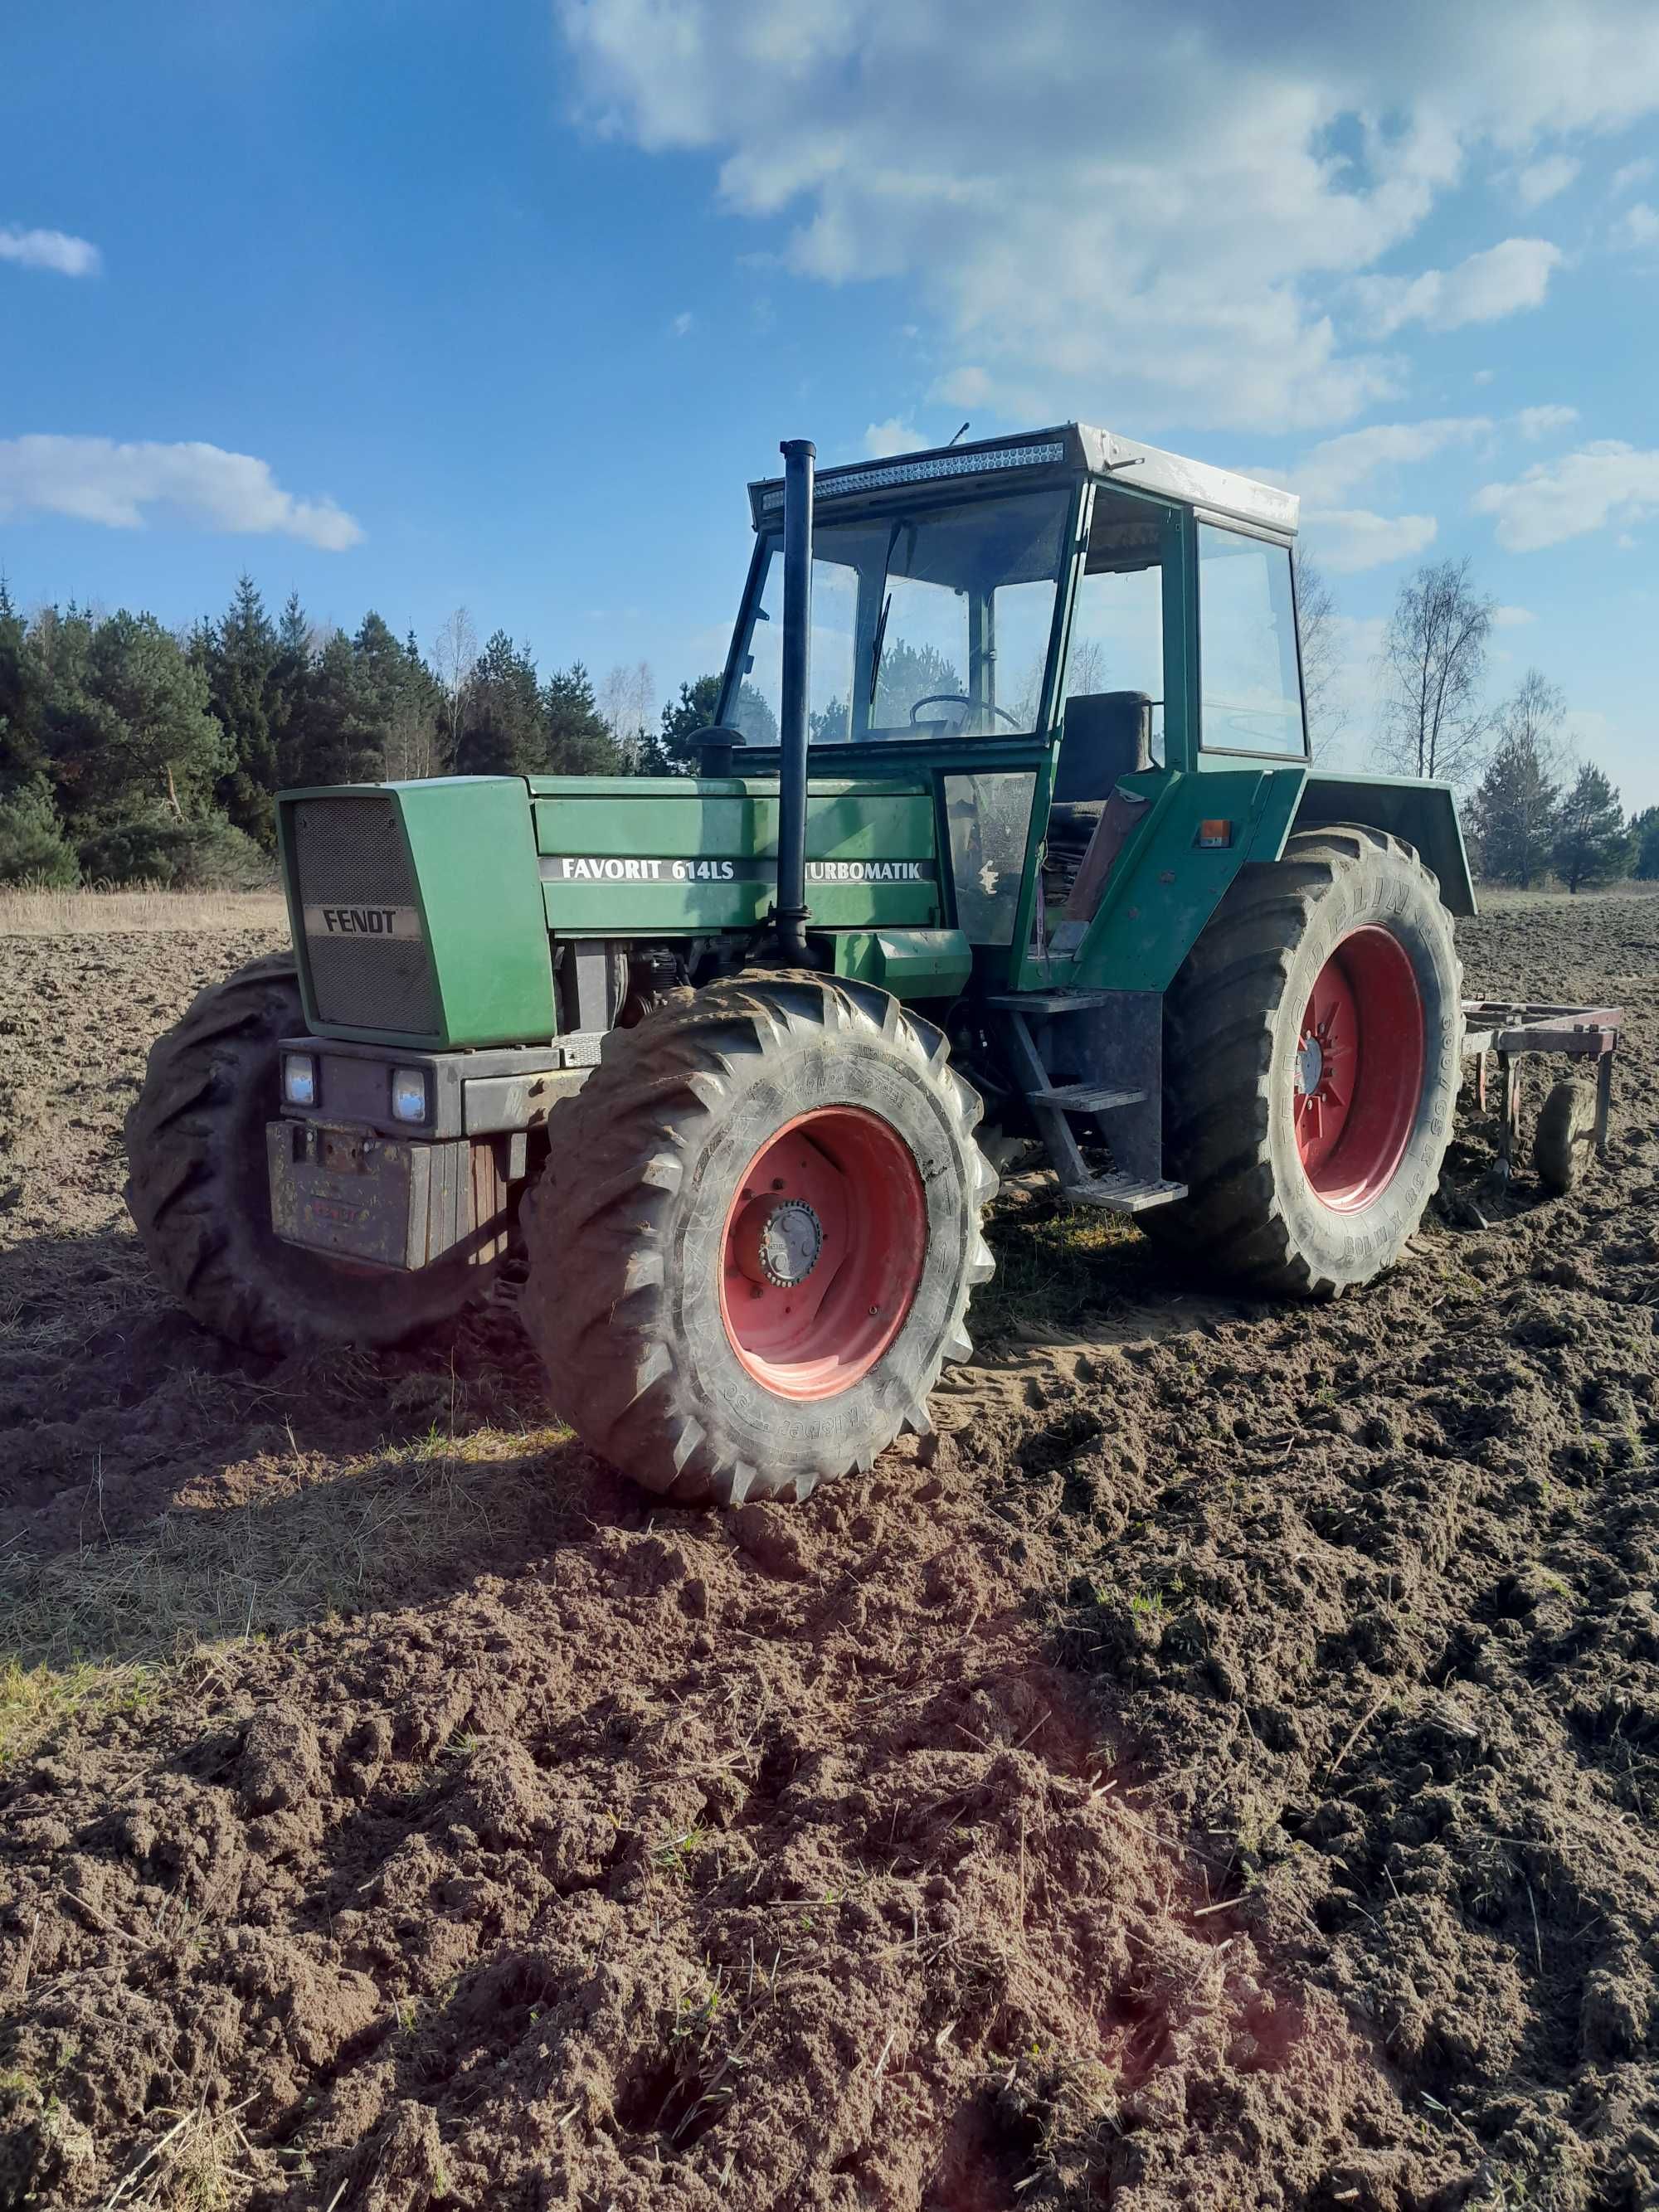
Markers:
1105,735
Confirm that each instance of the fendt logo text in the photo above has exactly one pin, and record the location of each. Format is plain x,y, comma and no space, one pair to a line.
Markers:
362,922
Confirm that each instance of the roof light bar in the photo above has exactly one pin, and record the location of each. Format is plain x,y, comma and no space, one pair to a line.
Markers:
840,481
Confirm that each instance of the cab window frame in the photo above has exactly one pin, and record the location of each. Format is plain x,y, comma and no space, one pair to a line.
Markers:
1202,519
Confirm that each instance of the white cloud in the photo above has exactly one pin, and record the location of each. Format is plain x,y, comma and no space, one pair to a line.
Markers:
1512,617
1157,220
96,480
1484,375
1332,469
681,326
1604,482
49,249
1542,180
1632,174
1638,225
1536,422
1347,539
882,440
1488,286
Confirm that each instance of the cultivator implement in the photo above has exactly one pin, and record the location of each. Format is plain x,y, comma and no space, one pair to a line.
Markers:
1510,1031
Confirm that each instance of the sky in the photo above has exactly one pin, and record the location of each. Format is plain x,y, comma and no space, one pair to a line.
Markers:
409,305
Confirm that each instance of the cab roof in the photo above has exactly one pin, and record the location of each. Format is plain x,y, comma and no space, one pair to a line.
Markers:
989,465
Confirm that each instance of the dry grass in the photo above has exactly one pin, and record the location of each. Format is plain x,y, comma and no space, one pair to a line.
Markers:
79,914
89,1630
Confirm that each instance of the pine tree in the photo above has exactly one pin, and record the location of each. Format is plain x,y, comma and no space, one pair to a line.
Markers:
1513,814
399,696
239,654
339,739
682,718
504,729
129,725
1592,844
1644,829
578,741
291,690
23,701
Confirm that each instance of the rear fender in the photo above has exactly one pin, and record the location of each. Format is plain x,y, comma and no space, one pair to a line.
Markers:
1424,814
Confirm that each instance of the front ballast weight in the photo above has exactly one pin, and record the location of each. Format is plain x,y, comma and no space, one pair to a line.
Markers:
1569,1126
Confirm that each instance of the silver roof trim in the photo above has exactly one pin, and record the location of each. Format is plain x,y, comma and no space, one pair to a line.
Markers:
1103,454
1195,483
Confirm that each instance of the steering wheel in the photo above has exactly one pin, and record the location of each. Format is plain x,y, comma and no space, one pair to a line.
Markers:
961,699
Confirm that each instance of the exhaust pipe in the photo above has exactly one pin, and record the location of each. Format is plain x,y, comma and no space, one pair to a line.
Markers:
792,913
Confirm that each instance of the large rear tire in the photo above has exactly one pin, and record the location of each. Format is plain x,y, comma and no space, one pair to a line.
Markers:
1312,1048
753,1246
197,1188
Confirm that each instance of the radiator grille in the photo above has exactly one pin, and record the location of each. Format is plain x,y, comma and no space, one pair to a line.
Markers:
348,853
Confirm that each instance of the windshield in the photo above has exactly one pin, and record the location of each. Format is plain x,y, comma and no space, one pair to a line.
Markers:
930,622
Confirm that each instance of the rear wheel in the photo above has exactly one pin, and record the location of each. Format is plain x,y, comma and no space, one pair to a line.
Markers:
753,1246
1312,1050
197,1188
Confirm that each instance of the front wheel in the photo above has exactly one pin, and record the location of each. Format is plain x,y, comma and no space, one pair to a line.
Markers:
1312,1056
752,1247
198,1193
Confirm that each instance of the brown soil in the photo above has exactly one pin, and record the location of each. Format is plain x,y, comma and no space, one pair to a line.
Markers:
1221,1769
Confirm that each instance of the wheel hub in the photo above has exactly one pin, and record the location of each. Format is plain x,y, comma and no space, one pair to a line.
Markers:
1309,1066
778,1242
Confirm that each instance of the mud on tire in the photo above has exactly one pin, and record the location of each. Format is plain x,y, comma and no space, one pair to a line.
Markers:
626,1233
196,1186
1231,1035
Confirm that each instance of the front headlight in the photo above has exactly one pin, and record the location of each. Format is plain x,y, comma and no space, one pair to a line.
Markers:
299,1078
408,1094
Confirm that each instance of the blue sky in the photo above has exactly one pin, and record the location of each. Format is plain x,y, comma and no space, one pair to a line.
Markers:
410,305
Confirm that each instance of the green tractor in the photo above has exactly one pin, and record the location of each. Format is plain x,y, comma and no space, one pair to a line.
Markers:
1008,812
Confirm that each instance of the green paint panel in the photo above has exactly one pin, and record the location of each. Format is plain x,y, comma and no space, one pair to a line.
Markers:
472,854
689,857
911,963
1165,887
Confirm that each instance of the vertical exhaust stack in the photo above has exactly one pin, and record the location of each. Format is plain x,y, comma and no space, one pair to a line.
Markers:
792,912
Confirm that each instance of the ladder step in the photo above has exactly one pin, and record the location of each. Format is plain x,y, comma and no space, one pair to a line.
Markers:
1122,1194
1086,1097
1049,1002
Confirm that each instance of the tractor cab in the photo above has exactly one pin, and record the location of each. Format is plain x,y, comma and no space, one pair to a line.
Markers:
1053,631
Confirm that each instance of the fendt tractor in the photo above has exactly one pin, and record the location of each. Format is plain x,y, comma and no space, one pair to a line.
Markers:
1006,834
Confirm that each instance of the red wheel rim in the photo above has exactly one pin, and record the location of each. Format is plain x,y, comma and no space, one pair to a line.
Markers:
1359,1061
822,1252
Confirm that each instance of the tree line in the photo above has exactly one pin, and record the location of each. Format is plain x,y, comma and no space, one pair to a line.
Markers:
131,753
1533,812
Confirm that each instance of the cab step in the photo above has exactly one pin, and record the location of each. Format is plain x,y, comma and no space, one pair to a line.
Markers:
1120,1193
1049,1002
1088,1097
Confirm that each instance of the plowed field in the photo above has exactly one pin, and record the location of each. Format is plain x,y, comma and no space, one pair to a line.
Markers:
1220,1768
